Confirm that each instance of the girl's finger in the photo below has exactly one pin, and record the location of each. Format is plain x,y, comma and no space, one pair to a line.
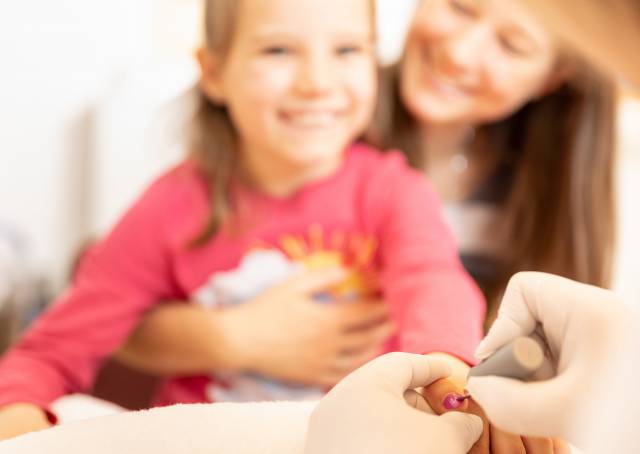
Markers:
536,445
441,396
483,445
355,315
330,378
367,339
416,400
310,282
364,349
506,443
561,447
347,364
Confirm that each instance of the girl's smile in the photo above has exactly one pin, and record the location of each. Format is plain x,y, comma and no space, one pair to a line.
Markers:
299,83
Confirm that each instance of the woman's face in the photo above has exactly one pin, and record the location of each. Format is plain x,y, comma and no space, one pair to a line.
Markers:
474,61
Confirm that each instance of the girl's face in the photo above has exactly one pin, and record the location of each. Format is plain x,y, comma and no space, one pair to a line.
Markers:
299,80
474,61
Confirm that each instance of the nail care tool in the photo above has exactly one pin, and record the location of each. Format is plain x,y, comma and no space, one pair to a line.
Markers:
519,359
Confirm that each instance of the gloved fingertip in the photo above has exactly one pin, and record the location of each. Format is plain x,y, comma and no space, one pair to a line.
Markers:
469,427
477,387
483,351
477,426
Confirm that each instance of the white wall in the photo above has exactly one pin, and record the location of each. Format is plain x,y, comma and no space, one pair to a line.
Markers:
394,17
81,85
55,56
627,279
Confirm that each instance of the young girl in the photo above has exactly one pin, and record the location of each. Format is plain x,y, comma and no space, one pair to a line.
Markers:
274,184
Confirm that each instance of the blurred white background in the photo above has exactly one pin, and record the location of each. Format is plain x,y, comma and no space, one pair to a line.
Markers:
86,118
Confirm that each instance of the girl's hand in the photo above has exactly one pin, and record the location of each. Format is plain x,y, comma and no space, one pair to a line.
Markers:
19,419
287,335
493,440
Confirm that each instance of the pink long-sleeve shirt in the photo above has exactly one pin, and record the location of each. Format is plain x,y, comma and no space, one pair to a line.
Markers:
145,260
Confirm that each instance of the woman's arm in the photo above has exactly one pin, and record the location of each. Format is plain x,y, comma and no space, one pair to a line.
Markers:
182,339
283,334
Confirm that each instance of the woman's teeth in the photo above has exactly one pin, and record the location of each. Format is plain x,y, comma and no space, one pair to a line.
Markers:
446,86
440,81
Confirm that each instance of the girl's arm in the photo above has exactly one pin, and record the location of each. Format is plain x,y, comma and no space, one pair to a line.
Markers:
436,304
17,419
118,281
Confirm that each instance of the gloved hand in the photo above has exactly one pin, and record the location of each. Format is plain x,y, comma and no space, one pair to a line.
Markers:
376,410
586,329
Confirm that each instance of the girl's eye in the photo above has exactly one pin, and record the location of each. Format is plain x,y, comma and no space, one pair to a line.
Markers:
464,7
514,46
276,50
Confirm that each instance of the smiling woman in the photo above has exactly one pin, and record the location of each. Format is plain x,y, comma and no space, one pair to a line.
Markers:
516,134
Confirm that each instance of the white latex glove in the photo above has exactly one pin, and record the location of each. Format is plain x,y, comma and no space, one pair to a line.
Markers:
375,410
587,330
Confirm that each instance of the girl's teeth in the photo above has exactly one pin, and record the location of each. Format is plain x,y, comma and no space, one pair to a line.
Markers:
312,119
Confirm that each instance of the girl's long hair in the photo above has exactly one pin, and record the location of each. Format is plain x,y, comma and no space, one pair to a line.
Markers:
213,138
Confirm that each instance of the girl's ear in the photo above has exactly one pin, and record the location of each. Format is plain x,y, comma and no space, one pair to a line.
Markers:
211,80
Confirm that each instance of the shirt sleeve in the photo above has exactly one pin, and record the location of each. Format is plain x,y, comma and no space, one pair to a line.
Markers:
120,279
435,303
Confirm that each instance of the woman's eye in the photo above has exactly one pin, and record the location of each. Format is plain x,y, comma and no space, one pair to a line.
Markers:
464,7
276,50
514,47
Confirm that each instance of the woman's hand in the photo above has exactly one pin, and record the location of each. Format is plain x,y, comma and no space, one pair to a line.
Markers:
19,419
287,335
376,410
283,333
588,332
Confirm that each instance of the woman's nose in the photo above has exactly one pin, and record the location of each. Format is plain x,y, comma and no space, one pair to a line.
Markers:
462,55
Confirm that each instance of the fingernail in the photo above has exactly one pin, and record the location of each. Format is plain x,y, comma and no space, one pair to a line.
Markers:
453,401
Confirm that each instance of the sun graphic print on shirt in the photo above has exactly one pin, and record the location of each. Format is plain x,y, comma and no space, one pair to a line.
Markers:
265,266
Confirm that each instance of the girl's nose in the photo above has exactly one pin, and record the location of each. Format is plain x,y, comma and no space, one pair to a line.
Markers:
316,74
